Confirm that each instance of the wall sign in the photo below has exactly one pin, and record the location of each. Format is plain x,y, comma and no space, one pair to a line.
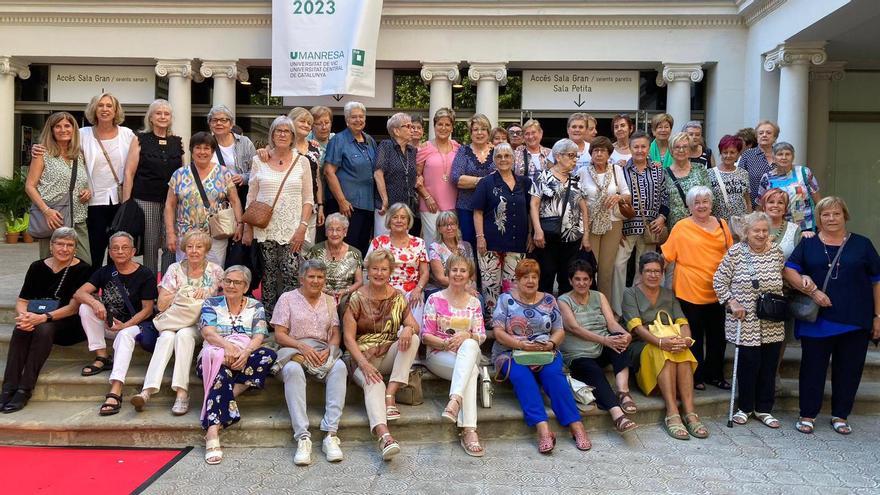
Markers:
580,90
384,95
80,83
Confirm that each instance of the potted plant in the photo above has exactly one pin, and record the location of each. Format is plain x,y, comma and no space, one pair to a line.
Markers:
14,204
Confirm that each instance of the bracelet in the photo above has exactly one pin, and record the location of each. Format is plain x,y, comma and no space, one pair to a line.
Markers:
660,345
319,204
304,223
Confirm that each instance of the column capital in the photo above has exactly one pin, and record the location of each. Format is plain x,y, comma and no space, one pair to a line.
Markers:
14,67
795,53
496,71
440,70
177,68
672,72
829,71
231,69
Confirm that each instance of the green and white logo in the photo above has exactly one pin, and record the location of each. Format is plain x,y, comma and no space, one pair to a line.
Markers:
358,57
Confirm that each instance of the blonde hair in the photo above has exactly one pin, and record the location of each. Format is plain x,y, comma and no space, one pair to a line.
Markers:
156,105
444,113
47,138
393,209
532,123
830,202
479,119
457,259
771,124
681,136
449,215
196,235
319,111
659,119
380,255
297,113
92,109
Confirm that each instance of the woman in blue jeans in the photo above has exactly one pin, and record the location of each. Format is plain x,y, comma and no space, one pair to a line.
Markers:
529,320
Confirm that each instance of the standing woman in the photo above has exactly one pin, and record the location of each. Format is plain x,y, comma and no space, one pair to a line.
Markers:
558,204
699,153
661,128
418,131
321,134
285,176
49,177
348,167
395,171
581,129
185,209
623,128
756,161
531,158
105,145
849,312
798,181
730,184
682,175
303,122
152,159
434,160
751,268
472,162
501,217
786,235
604,187
696,245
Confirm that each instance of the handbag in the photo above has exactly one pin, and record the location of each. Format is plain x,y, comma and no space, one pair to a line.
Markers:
258,214
533,358
148,334
553,225
128,218
661,329
221,223
411,393
487,390
583,394
110,165
802,306
768,306
38,225
650,237
43,306
624,207
183,312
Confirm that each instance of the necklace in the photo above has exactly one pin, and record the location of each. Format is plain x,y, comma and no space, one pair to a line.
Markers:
836,268
236,319
335,256
446,167
777,232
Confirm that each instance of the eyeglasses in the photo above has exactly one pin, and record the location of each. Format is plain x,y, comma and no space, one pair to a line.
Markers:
503,155
283,132
336,229
572,154
407,126
120,249
63,244
652,272
514,133
234,283
220,121
682,148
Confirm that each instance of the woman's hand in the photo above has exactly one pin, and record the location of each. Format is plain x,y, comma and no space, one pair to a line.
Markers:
538,238
384,208
85,195
585,242
27,321
117,325
481,245
345,208
531,346
431,204
247,237
617,341
736,309
821,298
319,220
38,150
611,201
54,218
239,231
807,284
454,342
415,298
657,224
99,310
171,241
200,293
807,234
311,356
241,360
296,242
875,331
263,155
371,374
405,338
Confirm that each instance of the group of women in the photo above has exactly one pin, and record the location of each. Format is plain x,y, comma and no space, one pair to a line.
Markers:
542,221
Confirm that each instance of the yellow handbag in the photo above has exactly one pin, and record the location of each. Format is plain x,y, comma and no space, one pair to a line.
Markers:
662,329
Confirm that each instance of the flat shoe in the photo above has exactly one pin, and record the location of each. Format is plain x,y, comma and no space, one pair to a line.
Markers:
676,430
181,406
696,427
91,370
108,409
627,403
805,426
768,420
741,417
841,426
473,449
139,401
213,453
722,384
546,444
389,447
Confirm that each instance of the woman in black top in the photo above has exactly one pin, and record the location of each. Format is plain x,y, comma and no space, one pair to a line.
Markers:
36,329
152,158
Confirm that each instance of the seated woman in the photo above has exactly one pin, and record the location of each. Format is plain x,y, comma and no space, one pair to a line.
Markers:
448,244
381,336
668,361
528,320
233,358
199,279
453,330
307,327
594,340
127,294
343,262
40,323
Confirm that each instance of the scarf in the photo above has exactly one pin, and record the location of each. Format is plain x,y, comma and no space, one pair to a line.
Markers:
212,359
600,217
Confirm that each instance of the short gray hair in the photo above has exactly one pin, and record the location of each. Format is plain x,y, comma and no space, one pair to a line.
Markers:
337,218
692,124
697,192
241,269
121,233
63,233
749,221
396,121
563,146
346,110
312,264
283,120
505,146
783,146
393,209
221,109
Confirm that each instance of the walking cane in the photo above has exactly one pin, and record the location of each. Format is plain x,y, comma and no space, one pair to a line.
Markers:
739,324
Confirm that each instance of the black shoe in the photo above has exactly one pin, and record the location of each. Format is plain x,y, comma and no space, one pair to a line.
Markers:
6,395
722,384
18,401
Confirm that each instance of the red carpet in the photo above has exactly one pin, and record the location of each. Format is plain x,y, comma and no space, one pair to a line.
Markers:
50,470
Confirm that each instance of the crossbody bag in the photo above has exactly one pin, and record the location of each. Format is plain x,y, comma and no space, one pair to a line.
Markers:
553,225
110,165
802,306
768,306
43,306
221,223
148,333
258,214
38,225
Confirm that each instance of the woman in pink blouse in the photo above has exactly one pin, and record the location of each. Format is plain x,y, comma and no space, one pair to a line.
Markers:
410,274
434,167
453,330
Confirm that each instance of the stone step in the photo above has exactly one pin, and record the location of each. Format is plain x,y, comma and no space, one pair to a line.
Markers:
791,363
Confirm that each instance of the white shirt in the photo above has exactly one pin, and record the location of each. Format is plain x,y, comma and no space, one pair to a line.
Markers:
617,157
101,181
590,189
228,155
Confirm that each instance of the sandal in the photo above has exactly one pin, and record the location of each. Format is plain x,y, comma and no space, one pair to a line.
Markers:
722,384
627,403
676,430
582,440
472,448
700,386
91,370
841,426
696,427
181,406
741,417
139,401
546,443
452,409
108,409
213,453
390,447
624,424
805,426
392,413
768,420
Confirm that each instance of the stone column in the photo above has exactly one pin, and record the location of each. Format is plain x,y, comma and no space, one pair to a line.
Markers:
225,74
180,73
9,69
441,76
487,77
794,60
678,78
817,130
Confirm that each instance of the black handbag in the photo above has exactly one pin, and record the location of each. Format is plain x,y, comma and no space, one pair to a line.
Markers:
148,335
553,225
43,306
129,218
768,306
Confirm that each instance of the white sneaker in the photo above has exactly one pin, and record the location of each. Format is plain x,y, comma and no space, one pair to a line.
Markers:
330,446
303,455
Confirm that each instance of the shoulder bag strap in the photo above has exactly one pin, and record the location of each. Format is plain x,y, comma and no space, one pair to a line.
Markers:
61,282
723,232
114,278
107,157
200,187
281,186
70,189
807,188
565,199
220,159
677,185
722,186
637,197
833,262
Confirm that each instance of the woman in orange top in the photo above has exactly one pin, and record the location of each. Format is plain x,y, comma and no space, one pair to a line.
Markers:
696,245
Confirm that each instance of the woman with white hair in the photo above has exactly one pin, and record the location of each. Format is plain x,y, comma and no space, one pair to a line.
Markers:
682,175
395,171
696,245
284,181
749,270
152,159
344,263
348,167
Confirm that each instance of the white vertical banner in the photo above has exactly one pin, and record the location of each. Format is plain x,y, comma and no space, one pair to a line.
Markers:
324,47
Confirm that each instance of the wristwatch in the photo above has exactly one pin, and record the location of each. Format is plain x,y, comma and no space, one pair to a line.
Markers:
49,317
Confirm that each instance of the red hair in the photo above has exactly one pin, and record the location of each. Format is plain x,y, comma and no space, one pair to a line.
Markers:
729,141
526,267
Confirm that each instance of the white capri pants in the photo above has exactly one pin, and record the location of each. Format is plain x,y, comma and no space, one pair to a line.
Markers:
397,363
182,344
461,368
97,334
